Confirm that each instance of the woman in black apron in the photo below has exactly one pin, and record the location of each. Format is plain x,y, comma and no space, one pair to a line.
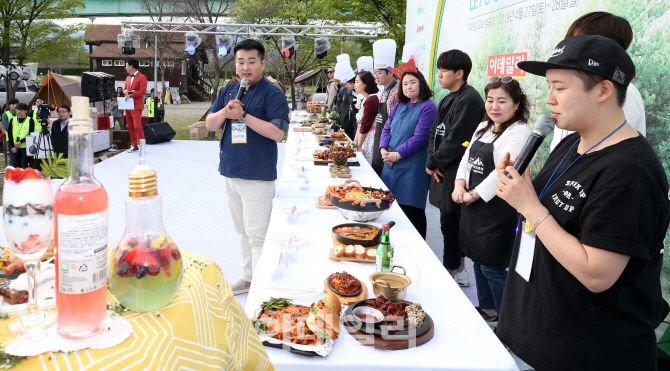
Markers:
487,227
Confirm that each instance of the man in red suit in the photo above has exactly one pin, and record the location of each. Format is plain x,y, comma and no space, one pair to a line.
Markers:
136,87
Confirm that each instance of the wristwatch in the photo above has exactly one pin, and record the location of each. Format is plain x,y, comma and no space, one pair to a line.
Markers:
471,194
244,115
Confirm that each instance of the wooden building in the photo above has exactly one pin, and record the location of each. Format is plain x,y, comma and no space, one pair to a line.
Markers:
182,71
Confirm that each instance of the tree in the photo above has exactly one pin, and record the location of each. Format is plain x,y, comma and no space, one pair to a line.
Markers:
206,11
161,11
306,12
388,14
28,25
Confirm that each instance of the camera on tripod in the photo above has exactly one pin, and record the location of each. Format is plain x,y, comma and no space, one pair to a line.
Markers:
44,112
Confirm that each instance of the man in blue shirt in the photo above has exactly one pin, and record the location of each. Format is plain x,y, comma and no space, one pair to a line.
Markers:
252,127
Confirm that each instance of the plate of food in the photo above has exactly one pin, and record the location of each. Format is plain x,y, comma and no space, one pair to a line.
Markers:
14,294
353,253
366,235
361,204
306,329
400,321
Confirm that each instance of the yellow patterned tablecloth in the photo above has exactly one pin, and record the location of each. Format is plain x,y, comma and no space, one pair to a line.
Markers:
203,328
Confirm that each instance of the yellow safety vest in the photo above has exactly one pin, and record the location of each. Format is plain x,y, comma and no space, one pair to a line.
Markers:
9,117
150,106
21,130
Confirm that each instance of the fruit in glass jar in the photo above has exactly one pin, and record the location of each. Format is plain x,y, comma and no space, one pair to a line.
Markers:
15,268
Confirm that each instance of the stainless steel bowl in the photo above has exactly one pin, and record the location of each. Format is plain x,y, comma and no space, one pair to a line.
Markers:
369,311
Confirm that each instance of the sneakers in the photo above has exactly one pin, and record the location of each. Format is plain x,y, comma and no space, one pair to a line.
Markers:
240,287
492,320
134,149
461,277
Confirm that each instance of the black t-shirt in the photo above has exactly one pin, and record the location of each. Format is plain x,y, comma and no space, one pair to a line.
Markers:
614,199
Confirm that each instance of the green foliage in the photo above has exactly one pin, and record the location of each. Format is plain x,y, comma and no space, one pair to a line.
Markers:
55,167
31,26
388,14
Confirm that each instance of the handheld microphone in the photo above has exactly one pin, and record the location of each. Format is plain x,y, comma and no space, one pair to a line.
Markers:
243,86
543,126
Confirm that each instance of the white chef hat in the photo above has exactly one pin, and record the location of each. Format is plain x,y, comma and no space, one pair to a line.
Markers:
365,64
384,53
343,58
410,50
343,71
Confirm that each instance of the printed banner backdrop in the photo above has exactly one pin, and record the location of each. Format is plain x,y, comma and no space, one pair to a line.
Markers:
497,34
420,25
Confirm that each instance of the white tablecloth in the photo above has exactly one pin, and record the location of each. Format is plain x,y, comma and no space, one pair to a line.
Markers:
462,340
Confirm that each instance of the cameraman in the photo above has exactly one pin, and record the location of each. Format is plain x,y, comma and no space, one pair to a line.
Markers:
59,131
38,102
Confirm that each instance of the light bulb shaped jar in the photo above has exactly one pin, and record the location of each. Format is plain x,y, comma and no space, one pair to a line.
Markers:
146,269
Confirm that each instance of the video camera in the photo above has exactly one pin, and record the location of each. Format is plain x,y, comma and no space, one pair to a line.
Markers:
44,112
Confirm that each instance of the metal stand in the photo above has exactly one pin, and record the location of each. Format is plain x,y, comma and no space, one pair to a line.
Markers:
43,143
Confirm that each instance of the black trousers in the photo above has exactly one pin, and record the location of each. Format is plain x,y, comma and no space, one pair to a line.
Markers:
418,218
18,159
151,120
449,224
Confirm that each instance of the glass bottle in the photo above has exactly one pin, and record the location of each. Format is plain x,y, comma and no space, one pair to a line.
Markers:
80,235
146,269
384,260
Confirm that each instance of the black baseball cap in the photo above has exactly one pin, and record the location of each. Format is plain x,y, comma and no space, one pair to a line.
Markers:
592,53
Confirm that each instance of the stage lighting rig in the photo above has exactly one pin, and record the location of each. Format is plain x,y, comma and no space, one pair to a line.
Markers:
193,40
288,46
321,47
224,44
128,41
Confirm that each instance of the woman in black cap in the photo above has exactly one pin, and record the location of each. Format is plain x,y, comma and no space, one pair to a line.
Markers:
583,291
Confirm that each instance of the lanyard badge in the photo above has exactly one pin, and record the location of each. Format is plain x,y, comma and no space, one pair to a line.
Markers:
238,129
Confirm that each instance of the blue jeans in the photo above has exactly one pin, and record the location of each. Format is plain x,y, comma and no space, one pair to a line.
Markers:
490,286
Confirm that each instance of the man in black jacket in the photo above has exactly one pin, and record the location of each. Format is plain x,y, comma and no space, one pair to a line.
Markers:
348,110
459,113
59,133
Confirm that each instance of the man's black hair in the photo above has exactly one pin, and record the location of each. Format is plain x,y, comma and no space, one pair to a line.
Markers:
43,100
454,60
23,107
64,106
250,44
13,101
152,90
133,63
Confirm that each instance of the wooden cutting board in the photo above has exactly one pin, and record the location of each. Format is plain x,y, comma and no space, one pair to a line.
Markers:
319,206
332,256
380,343
346,300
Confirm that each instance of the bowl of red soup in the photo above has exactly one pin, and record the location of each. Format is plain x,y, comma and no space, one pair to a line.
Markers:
367,316
366,235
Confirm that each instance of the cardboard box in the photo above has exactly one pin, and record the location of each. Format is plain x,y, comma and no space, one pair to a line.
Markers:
198,131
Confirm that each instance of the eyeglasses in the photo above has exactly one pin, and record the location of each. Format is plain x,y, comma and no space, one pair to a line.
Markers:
331,71
504,79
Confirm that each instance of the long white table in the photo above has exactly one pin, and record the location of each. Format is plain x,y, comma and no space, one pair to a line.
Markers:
462,339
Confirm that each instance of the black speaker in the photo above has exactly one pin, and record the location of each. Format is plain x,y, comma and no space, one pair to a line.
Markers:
97,86
158,133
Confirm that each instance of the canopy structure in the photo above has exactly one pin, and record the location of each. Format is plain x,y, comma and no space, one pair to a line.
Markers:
58,89
310,75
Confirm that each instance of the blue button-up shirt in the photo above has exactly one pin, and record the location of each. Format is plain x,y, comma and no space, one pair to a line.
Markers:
256,159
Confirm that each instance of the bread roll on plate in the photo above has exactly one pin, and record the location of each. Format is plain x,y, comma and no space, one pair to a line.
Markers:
349,251
372,254
359,252
339,251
